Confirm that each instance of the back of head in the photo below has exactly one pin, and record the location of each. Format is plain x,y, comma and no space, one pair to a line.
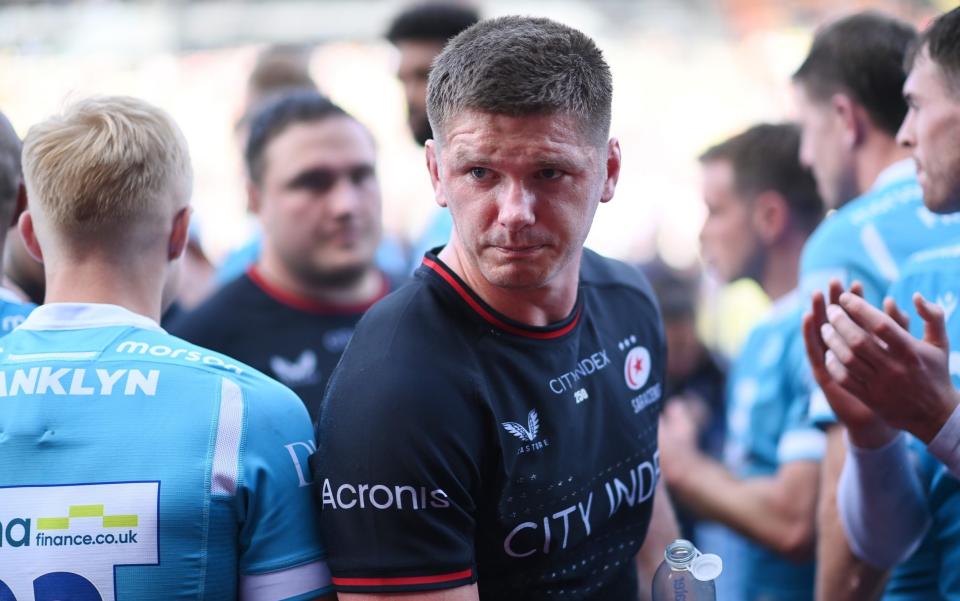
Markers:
276,116
431,21
861,56
521,66
766,158
10,174
104,165
941,43
278,70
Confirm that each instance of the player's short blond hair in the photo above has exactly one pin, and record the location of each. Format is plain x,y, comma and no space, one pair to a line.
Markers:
105,162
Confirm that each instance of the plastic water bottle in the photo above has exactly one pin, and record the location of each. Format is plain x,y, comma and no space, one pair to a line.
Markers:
686,574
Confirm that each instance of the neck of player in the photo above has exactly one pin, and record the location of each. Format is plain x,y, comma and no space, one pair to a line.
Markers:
781,266
130,285
536,306
875,157
364,289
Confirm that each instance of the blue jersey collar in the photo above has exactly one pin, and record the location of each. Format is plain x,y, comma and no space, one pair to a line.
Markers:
77,316
899,171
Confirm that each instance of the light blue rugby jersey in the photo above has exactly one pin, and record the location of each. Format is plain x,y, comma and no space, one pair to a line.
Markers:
933,569
768,395
13,311
137,466
868,240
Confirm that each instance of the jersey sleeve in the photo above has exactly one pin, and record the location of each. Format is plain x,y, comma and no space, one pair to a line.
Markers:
849,255
281,553
801,439
399,464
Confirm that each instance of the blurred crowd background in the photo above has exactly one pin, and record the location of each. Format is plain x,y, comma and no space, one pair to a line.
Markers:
687,73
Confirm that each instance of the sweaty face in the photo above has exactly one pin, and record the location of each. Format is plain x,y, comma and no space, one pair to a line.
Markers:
416,57
824,149
320,200
728,241
932,130
522,192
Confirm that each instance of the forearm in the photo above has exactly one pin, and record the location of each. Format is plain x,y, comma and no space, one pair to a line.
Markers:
775,512
880,486
841,576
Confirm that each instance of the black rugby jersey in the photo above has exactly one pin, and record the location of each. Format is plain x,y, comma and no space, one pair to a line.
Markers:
292,339
458,445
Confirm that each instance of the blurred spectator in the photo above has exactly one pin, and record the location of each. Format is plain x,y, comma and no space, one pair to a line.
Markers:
420,33
13,200
314,187
761,206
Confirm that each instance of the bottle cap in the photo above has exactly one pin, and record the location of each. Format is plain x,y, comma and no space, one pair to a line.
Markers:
706,567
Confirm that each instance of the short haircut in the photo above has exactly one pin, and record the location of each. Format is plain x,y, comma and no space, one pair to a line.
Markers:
431,22
276,116
941,41
10,171
766,157
105,162
862,56
521,66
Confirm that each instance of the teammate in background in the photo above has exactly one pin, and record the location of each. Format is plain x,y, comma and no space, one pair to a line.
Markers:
880,380
761,206
419,34
850,103
314,186
496,419
13,198
134,465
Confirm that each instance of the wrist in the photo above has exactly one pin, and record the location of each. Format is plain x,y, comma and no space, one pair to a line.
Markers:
871,436
928,429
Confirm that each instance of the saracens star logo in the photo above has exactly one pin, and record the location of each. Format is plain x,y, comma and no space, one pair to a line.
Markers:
636,368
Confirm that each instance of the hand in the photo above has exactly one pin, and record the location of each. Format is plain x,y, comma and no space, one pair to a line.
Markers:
904,380
865,428
677,440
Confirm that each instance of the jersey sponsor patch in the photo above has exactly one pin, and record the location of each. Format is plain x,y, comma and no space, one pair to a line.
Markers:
60,542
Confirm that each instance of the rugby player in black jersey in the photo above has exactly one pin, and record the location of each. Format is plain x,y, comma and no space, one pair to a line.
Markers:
491,431
314,187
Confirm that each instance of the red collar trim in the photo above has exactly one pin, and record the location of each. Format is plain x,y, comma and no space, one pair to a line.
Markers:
309,305
467,295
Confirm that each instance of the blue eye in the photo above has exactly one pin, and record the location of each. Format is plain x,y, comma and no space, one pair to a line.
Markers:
550,173
479,172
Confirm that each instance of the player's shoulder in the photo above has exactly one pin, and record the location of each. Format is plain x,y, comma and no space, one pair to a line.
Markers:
599,272
219,313
939,259
13,313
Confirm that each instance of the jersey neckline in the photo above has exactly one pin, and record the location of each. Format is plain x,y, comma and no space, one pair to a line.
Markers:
308,305
76,316
433,264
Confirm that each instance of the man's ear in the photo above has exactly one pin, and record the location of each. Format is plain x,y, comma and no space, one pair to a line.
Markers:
771,216
850,116
28,233
254,199
179,234
613,170
432,153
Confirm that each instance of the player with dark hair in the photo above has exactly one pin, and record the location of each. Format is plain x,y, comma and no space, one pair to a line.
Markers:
13,199
882,382
848,93
490,431
420,33
314,186
761,206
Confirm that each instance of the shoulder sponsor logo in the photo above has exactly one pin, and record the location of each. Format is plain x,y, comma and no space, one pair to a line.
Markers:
133,347
382,496
69,539
12,321
301,372
636,368
336,340
78,382
300,453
